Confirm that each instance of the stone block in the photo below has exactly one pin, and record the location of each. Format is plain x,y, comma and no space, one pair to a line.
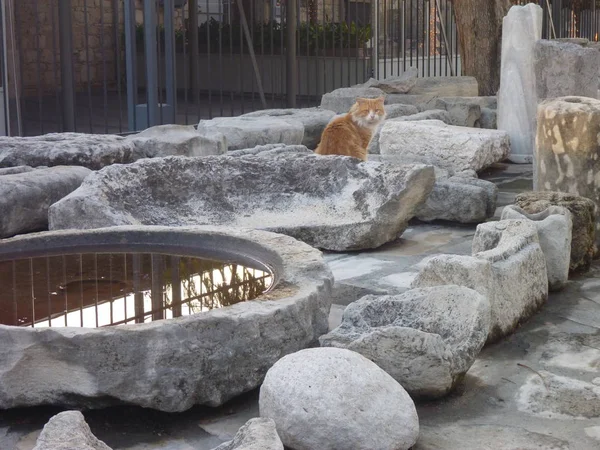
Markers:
462,111
340,100
247,132
256,434
426,339
68,430
567,153
583,217
565,69
508,267
449,147
555,228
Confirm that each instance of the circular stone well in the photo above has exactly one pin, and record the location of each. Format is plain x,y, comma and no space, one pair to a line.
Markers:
171,364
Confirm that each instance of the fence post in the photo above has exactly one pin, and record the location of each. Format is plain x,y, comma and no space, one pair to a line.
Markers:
130,64
151,63
375,38
291,62
65,36
194,49
169,9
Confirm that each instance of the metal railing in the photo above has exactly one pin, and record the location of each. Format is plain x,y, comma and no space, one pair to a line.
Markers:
116,66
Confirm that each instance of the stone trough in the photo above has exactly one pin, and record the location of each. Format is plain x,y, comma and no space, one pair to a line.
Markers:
335,203
172,364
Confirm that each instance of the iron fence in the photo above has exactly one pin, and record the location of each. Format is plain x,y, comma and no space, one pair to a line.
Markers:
116,66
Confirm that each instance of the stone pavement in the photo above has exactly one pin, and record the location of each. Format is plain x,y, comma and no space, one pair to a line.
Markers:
537,389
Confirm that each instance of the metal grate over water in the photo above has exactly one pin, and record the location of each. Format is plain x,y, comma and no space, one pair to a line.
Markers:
101,289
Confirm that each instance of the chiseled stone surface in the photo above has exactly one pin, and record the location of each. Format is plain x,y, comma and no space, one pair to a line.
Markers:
26,196
426,339
183,140
460,199
247,132
568,148
555,230
333,202
256,434
564,68
583,241
340,100
449,147
314,120
68,431
508,267
169,365
318,400
517,98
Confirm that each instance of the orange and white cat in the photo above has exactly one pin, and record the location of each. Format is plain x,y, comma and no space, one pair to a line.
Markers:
349,135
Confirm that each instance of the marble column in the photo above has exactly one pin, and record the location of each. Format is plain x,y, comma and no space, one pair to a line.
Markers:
517,99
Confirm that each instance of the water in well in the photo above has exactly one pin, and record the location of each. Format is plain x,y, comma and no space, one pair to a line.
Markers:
100,289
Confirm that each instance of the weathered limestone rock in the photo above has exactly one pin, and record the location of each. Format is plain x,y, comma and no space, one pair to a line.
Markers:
413,114
247,132
335,203
340,100
25,197
563,69
314,120
460,199
96,151
426,339
165,140
568,148
401,84
448,147
93,151
508,267
318,400
68,430
517,99
446,87
430,114
16,169
555,228
488,119
582,215
256,434
169,365
463,112
399,110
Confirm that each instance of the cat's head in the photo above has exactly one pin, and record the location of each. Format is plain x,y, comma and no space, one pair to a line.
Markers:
368,112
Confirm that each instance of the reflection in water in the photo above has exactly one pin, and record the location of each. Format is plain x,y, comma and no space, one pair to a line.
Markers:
99,289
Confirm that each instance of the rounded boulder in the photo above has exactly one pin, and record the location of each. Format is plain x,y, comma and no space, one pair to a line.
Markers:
332,398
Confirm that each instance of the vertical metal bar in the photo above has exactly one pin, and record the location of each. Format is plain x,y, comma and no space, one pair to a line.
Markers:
15,302
209,77
66,293
194,53
125,280
231,59
384,39
253,55
87,64
104,67
160,34
186,73
291,62
443,28
138,295
221,58
48,290
404,35
157,262
32,292
112,297
130,63
38,68
81,304
170,75
96,284
175,286
4,71
15,31
251,44
376,40
65,25
117,55
151,64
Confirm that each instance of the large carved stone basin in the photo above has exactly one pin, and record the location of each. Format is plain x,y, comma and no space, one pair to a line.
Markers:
174,363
